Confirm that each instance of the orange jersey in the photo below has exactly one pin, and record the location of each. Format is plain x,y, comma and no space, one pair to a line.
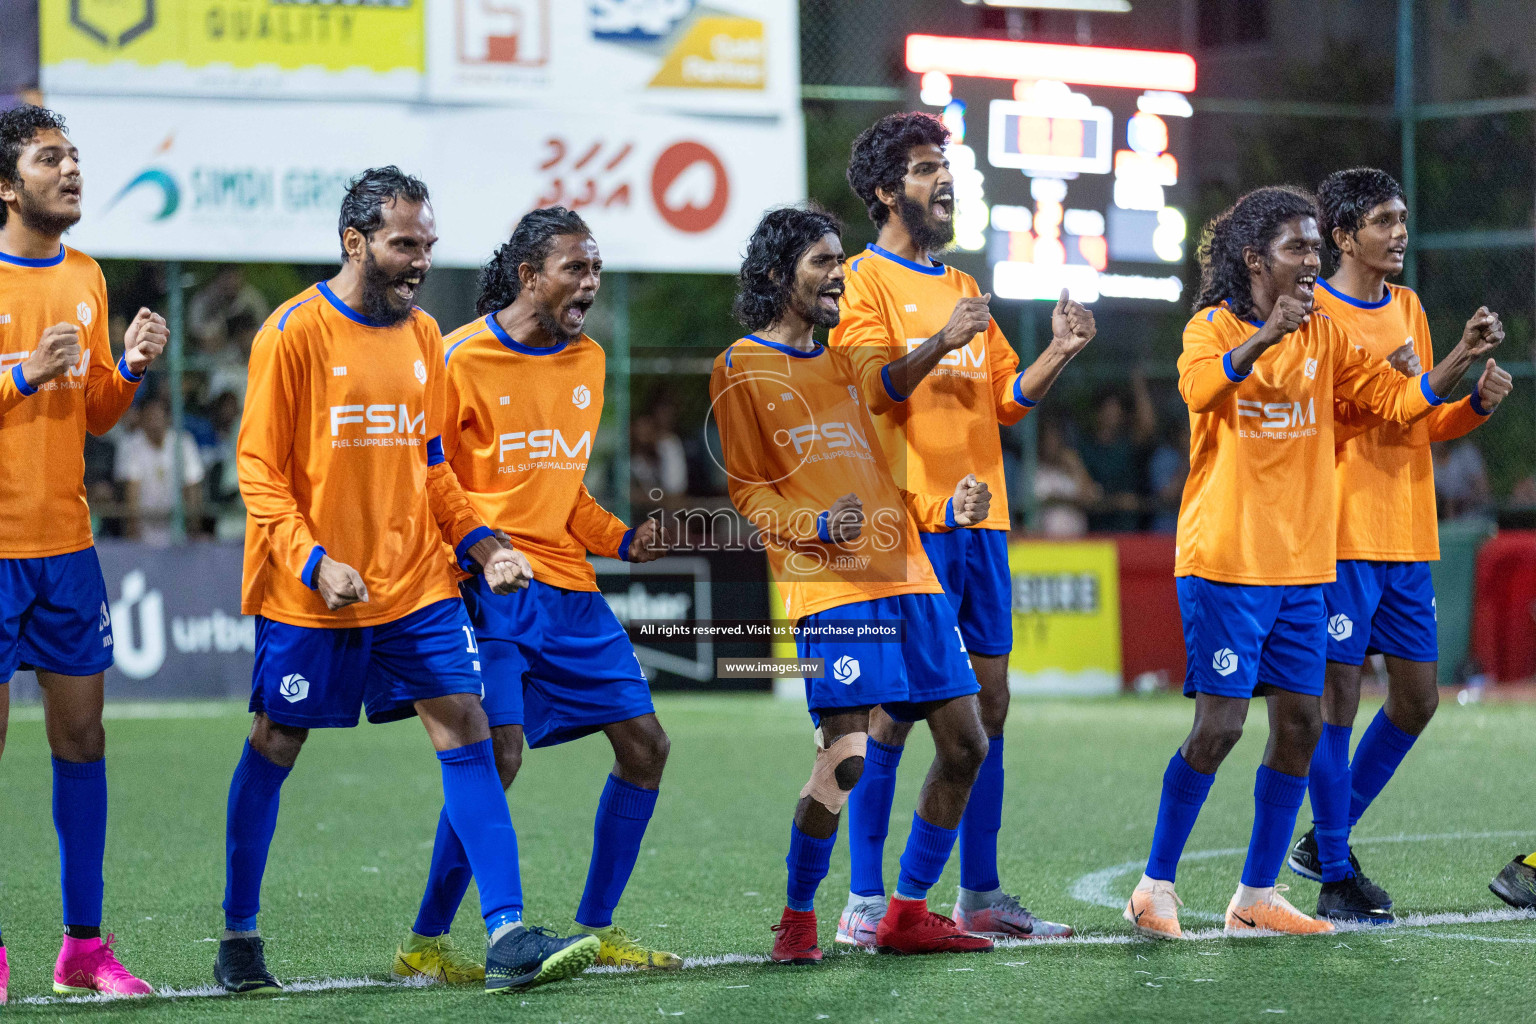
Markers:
1386,475
1258,507
796,437
340,453
519,434
42,430
948,426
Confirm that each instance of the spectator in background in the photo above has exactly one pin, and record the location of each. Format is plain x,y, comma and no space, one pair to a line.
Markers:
1166,472
228,362
218,304
1461,481
1063,488
223,480
1115,456
145,469
658,469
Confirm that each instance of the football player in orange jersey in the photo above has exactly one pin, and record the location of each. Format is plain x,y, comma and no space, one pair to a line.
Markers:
1384,597
939,375
525,399
1261,371
842,543
58,380
349,501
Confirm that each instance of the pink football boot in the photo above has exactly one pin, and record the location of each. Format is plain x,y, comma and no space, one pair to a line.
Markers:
89,967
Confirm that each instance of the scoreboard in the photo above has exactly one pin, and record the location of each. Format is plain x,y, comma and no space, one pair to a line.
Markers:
1066,163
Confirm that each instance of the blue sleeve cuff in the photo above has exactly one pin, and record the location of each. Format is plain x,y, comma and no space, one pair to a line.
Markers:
21,381
128,375
1429,393
1477,403
1018,393
629,535
1233,375
435,452
949,512
890,389
461,550
312,568
822,533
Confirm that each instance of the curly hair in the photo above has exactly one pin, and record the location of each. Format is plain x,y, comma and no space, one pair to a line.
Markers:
1253,222
1345,197
532,241
19,126
363,205
879,156
767,276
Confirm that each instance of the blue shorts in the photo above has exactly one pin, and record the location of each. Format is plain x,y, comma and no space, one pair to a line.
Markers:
1238,638
928,664
54,615
556,661
972,566
1382,607
312,678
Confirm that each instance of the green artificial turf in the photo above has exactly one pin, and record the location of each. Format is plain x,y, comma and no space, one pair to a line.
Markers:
359,811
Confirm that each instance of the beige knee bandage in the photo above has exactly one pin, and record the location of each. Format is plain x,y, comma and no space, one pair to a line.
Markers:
823,787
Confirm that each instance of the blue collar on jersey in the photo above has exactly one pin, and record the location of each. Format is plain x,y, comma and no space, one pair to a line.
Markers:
789,349
933,271
47,261
1353,301
346,310
517,346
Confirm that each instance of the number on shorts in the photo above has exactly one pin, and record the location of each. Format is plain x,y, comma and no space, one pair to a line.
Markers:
962,640
469,635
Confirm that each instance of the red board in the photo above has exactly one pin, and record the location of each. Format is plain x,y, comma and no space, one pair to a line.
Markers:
1151,634
1504,613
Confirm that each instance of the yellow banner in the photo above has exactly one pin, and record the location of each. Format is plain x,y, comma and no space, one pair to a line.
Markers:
1066,613
381,36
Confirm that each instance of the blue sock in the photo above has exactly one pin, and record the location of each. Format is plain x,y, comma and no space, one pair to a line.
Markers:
1381,750
922,862
980,823
80,818
808,861
447,882
623,811
476,807
1276,800
1184,792
1328,782
869,818
248,826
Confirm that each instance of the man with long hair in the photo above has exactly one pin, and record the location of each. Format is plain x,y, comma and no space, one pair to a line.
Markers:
842,543
525,397
1261,371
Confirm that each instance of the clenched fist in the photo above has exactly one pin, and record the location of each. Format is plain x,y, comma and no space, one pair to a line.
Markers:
1493,386
506,570
1072,325
972,501
971,316
339,584
648,543
144,340
845,519
57,350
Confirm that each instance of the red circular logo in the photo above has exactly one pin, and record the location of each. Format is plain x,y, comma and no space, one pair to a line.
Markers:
677,186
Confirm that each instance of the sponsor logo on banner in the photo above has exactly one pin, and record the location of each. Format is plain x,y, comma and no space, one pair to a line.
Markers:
690,187
111,23
1066,617
637,20
502,32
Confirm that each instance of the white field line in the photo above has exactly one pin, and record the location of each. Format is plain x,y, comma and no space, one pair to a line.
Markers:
145,710
1098,887
746,959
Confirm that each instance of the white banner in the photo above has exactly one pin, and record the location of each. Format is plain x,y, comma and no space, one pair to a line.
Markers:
223,180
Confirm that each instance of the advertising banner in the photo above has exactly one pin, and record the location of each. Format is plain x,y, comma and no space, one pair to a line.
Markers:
240,48
216,180
723,56
1066,617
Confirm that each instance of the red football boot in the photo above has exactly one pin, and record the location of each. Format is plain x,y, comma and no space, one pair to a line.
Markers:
796,942
910,927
